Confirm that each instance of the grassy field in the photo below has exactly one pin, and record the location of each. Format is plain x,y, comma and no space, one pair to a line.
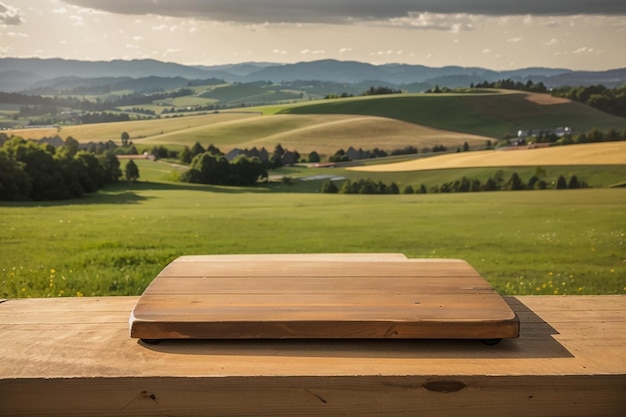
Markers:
115,242
491,115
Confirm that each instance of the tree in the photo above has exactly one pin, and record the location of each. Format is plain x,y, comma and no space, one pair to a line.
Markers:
208,169
111,166
246,171
532,181
197,149
276,160
561,184
125,138
329,187
314,157
515,183
491,185
465,147
72,145
186,155
408,190
393,189
573,183
131,171
14,182
92,173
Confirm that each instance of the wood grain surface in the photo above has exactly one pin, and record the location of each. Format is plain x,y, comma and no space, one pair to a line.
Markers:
320,296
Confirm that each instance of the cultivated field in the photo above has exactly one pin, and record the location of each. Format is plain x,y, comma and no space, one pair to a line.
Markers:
611,153
384,122
324,134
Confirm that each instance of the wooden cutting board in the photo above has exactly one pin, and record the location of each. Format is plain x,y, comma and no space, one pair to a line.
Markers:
320,296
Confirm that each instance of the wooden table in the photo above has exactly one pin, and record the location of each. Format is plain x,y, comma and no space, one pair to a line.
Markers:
74,356
321,296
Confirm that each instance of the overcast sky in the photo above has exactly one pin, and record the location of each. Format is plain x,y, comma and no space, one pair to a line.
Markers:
496,34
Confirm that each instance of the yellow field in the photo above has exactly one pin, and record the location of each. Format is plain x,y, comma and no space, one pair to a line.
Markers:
324,134
610,153
136,129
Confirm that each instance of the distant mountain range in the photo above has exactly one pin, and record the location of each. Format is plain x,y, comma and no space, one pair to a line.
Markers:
26,74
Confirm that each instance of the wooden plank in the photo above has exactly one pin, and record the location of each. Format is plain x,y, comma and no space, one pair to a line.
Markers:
268,268
572,396
304,297
316,285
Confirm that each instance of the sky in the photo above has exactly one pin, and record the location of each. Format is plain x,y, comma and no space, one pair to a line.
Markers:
494,34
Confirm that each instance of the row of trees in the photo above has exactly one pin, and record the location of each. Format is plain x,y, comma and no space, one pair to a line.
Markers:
497,183
362,186
462,185
29,171
608,100
509,84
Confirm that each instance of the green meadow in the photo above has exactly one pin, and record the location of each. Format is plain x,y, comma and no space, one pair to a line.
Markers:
492,115
115,242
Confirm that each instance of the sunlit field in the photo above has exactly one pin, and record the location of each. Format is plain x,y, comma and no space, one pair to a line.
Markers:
114,243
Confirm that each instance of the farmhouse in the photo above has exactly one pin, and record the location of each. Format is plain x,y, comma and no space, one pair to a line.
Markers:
537,133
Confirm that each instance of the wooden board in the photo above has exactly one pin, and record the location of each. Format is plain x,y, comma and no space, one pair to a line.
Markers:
320,297
73,357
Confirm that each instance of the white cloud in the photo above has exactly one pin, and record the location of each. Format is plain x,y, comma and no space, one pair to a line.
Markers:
514,40
583,50
77,20
10,15
552,42
279,52
312,52
434,21
17,35
345,50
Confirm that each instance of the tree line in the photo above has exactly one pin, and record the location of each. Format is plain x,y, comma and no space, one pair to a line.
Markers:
608,100
509,84
30,171
463,185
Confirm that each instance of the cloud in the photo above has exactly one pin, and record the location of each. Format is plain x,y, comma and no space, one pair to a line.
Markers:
435,21
347,11
10,15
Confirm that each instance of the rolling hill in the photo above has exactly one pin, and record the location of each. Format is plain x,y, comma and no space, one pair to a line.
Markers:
493,115
386,122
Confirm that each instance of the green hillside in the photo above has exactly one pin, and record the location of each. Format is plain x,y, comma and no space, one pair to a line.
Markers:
492,115
251,94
